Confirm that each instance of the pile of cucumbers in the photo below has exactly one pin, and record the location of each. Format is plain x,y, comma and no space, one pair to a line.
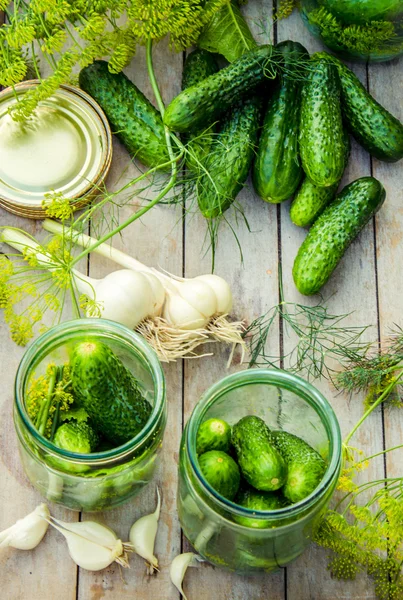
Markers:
255,467
274,111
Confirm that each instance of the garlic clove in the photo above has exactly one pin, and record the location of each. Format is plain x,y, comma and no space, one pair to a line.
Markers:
158,294
222,291
142,536
180,313
200,296
28,532
179,567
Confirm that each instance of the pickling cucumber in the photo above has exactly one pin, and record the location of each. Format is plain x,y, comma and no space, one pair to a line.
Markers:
277,169
131,115
226,167
199,65
213,434
310,200
363,11
379,132
333,232
305,466
108,391
221,472
201,104
260,462
255,500
321,139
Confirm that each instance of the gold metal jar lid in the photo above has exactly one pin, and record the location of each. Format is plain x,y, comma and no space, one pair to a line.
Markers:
65,147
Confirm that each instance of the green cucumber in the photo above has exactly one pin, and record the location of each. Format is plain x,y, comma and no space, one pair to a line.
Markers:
131,115
199,65
374,128
108,391
76,437
321,129
277,170
226,167
333,232
254,500
201,104
305,466
260,462
310,200
221,472
213,434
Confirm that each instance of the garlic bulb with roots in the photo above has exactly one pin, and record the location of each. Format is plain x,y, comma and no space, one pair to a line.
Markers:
194,312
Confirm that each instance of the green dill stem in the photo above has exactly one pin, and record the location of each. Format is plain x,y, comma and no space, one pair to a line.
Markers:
44,412
381,398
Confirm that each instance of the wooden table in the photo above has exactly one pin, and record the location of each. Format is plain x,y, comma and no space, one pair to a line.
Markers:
369,282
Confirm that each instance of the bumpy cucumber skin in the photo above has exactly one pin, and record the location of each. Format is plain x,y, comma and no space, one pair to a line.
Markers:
311,200
260,462
213,434
76,437
227,166
374,128
321,138
200,105
255,500
305,466
131,115
277,169
221,471
333,232
108,392
199,65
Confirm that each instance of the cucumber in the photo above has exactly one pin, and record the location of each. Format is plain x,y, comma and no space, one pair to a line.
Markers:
310,200
76,437
213,434
305,466
199,65
228,163
131,115
374,128
333,232
221,472
321,128
108,391
260,462
201,104
254,500
277,170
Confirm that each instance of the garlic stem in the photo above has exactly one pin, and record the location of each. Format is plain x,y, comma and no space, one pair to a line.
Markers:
179,567
22,242
142,536
28,532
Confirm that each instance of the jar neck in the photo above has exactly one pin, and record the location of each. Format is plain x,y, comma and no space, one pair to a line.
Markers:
282,381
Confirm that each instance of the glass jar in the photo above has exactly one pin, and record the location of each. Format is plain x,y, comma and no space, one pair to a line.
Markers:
357,29
286,402
104,479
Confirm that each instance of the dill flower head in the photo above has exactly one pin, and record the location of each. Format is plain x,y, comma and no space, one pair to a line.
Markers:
57,206
285,8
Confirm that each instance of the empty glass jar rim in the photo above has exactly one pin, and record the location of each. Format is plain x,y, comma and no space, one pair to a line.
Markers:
284,380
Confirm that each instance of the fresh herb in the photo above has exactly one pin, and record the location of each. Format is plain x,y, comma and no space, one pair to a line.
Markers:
358,39
285,8
227,33
66,34
318,338
49,397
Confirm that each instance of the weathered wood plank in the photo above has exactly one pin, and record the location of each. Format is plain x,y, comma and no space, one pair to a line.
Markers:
351,288
255,288
386,85
156,240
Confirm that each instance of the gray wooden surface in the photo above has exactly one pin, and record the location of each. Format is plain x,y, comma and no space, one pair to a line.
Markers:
368,282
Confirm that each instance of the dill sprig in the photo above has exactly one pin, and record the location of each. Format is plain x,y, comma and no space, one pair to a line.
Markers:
77,32
319,338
